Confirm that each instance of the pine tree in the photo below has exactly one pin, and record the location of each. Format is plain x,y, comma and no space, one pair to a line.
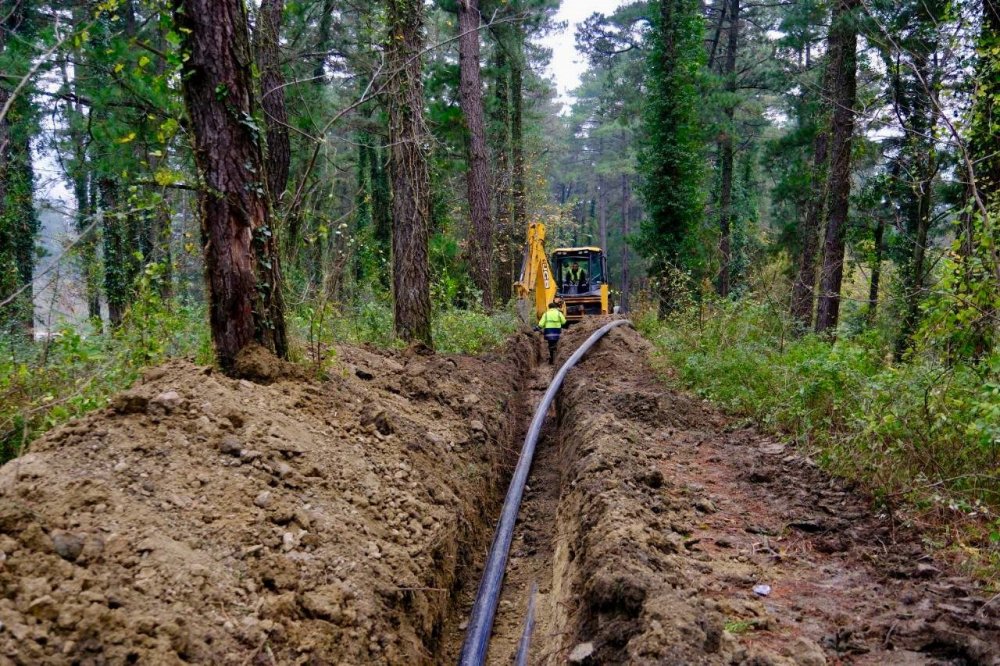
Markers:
409,172
671,156
241,261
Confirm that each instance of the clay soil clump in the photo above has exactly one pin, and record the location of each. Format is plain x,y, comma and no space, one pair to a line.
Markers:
214,520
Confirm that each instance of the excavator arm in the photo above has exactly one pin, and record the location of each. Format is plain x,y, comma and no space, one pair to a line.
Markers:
536,287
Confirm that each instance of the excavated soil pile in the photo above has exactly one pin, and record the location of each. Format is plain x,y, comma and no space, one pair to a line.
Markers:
681,539
211,520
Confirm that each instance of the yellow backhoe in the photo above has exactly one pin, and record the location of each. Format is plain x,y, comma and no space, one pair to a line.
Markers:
579,282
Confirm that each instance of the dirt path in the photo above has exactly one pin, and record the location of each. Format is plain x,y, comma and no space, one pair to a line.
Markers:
673,518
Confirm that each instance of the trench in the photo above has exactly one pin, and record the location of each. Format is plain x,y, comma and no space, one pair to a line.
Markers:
531,555
539,559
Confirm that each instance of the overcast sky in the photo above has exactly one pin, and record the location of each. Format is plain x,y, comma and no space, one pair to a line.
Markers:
567,65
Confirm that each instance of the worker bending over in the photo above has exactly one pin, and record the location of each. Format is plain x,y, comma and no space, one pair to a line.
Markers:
551,324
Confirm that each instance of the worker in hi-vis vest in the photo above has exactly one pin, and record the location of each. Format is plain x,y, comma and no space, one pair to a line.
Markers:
551,324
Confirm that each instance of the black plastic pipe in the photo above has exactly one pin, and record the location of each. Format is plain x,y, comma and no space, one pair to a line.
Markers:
477,636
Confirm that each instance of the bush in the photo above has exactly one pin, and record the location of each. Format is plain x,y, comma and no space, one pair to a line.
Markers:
72,372
454,331
924,433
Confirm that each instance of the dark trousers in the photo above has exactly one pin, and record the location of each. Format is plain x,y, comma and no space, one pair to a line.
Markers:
552,338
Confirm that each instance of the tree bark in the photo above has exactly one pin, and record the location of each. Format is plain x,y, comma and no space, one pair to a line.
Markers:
804,287
272,100
842,129
602,212
517,134
362,198
18,221
409,172
507,233
323,42
726,153
626,211
918,207
118,258
480,255
241,261
873,286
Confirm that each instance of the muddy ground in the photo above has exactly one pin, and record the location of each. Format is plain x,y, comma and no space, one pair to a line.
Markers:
284,520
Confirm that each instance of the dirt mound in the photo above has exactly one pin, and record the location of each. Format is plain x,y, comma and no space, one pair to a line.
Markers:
682,541
211,520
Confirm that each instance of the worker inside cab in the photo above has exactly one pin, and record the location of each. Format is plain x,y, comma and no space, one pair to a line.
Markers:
551,324
576,277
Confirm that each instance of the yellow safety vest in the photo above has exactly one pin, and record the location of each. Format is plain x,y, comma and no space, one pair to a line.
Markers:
552,318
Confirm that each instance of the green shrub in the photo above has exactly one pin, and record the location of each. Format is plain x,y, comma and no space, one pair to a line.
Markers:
74,371
454,331
924,432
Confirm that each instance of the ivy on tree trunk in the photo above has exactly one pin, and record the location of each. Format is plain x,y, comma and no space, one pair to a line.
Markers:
241,262
409,172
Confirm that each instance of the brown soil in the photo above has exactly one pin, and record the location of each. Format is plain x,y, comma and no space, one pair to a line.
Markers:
207,520
218,521
669,518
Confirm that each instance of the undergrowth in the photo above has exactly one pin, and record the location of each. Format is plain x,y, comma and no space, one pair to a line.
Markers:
77,369
454,330
921,434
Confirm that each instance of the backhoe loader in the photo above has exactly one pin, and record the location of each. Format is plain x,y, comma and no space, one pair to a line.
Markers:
579,282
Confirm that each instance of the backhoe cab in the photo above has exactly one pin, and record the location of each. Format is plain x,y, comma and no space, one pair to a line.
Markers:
579,282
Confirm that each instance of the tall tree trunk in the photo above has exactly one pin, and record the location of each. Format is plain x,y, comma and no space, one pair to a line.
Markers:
160,227
118,249
362,198
18,221
602,212
88,242
272,100
323,42
873,286
477,176
842,130
409,172
804,286
626,212
980,267
803,290
517,134
241,261
506,231
80,175
381,199
723,9
726,153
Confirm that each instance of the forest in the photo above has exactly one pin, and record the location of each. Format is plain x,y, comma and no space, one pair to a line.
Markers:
799,201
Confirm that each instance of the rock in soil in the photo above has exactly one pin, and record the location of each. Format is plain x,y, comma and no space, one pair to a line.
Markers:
127,538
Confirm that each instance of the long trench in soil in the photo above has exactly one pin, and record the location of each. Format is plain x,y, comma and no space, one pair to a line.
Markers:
648,526
531,557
